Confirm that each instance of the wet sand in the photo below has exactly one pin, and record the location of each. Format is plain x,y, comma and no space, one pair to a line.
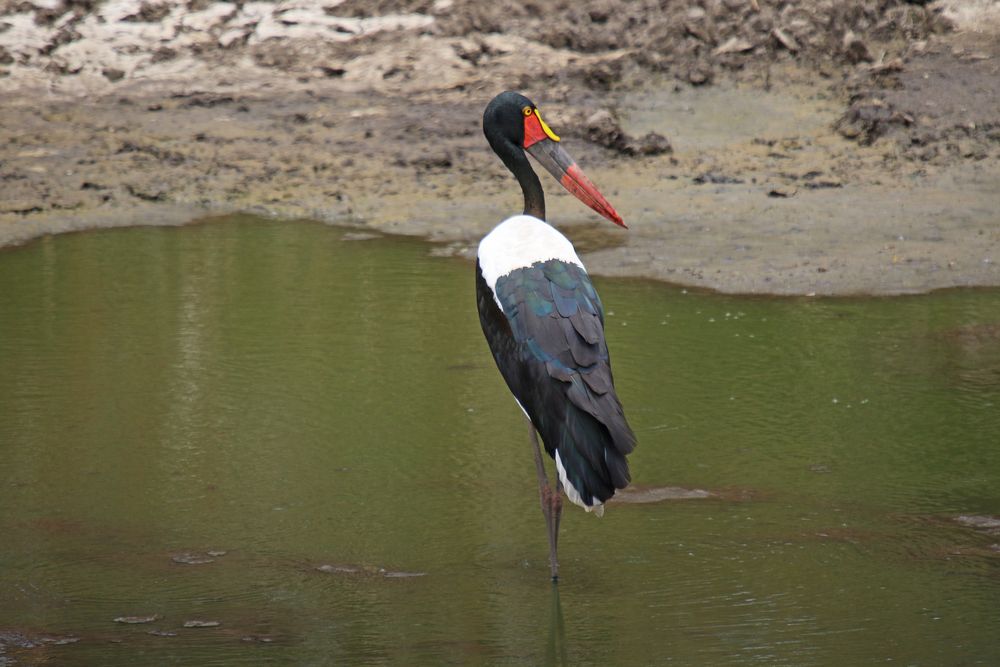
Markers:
840,167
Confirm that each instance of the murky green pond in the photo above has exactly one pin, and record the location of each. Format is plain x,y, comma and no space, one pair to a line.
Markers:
275,428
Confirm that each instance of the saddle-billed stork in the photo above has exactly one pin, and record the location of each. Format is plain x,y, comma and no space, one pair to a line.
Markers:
544,323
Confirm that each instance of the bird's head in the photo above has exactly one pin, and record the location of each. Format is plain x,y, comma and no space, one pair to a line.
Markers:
511,119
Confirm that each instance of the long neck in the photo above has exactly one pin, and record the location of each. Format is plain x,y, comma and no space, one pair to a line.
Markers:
515,160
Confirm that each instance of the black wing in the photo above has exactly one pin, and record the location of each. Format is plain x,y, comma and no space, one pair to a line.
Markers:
549,345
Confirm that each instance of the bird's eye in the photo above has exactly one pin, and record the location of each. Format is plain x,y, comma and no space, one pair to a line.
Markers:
527,111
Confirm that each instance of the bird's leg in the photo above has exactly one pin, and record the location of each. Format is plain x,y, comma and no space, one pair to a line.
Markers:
552,522
554,528
551,503
543,481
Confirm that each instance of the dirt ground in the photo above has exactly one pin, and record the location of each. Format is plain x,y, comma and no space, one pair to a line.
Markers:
753,146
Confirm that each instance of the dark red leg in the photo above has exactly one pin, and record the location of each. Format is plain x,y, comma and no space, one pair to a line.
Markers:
551,503
556,501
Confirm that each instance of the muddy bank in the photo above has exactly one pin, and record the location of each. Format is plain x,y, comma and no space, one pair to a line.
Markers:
752,146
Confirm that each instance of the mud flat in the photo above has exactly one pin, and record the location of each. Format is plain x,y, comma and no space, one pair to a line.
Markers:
753,147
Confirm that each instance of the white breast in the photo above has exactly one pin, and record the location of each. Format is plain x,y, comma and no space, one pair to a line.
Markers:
519,242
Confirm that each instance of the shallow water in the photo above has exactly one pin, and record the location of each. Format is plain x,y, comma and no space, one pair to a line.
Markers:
325,412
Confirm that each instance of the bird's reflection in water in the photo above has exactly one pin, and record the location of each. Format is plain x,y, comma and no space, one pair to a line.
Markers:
556,653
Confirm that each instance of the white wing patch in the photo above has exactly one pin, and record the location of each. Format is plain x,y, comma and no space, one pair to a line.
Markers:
517,243
597,507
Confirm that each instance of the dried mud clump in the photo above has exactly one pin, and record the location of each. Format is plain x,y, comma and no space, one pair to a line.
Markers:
870,118
603,129
149,12
690,39
603,44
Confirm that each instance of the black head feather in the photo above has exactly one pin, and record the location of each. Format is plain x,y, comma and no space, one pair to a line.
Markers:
504,119
503,125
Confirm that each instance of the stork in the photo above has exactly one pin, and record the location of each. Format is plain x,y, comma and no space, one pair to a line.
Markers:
544,323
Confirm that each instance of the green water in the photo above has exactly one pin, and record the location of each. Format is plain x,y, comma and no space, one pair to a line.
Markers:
300,400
